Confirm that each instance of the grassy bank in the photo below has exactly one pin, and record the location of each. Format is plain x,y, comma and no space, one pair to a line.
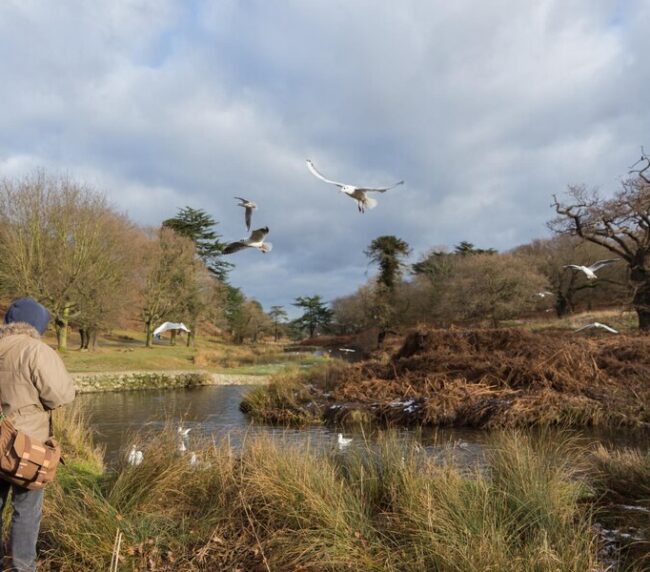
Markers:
476,378
275,506
124,350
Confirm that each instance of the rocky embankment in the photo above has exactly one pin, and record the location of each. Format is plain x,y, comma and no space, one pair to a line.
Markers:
140,380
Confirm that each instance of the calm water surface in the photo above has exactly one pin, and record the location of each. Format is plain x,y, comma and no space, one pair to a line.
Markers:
213,411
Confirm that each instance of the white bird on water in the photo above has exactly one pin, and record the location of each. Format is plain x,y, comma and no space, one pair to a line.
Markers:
135,457
250,206
597,325
590,271
354,192
255,240
183,433
343,442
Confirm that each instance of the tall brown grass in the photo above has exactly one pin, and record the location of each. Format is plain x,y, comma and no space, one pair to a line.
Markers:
490,379
385,505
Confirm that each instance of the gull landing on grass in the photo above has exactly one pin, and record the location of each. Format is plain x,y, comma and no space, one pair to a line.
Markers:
249,207
590,271
255,240
597,325
357,193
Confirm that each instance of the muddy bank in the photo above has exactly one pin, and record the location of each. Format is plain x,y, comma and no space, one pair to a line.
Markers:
476,378
141,380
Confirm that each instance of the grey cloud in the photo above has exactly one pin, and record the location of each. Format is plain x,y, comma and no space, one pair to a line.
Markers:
486,109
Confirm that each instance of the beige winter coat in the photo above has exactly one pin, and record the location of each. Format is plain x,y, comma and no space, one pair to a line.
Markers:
33,380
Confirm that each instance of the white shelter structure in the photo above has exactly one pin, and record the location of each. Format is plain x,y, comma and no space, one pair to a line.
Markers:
166,326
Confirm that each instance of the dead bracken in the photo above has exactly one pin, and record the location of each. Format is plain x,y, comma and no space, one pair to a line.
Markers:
477,378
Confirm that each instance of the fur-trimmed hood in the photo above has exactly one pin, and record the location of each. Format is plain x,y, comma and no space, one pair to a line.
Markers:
17,328
33,379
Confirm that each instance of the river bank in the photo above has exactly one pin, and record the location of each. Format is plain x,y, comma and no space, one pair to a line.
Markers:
483,379
533,503
142,380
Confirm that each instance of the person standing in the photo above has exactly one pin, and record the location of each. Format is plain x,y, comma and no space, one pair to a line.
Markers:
33,382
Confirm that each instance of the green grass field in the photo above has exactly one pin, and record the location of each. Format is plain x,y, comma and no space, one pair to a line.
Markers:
124,350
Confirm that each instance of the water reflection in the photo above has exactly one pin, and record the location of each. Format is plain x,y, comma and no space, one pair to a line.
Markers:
214,412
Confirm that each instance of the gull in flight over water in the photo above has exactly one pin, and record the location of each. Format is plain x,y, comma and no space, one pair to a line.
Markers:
343,442
255,240
597,325
250,206
357,193
590,271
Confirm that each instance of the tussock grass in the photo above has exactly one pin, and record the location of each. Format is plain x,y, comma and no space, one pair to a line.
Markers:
385,505
621,479
623,475
281,401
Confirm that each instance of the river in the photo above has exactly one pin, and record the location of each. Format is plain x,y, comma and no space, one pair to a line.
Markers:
117,417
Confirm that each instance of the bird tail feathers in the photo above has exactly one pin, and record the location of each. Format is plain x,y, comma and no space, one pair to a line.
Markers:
266,247
370,203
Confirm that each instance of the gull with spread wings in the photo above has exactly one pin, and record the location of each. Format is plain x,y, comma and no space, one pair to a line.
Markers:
597,325
250,206
590,271
255,240
357,193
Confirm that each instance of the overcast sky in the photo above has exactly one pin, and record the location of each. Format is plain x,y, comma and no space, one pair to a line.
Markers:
485,109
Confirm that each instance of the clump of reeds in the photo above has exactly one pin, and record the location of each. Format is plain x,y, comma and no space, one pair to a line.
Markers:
286,401
275,505
623,474
621,481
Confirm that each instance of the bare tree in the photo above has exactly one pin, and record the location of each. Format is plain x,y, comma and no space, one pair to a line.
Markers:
170,264
620,224
55,243
571,288
491,286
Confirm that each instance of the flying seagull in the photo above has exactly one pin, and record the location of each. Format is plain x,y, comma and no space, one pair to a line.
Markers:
597,325
250,206
255,240
590,271
544,294
356,193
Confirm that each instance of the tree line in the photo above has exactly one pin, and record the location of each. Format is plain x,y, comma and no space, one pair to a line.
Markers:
63,244
470,284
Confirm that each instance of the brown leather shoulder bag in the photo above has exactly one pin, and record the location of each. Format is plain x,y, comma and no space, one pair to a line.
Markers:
26,461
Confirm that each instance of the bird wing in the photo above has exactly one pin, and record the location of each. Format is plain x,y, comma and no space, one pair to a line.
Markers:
242,199
316,174
602,263
605,327
380,189
249,215
585,328
259,234
574,266
234,247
